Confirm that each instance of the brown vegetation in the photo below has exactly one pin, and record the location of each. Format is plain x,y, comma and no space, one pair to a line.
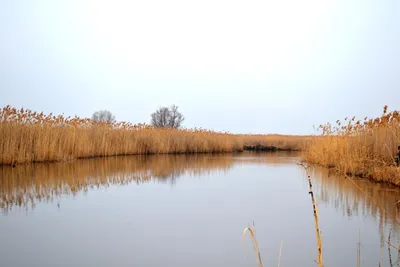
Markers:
27,136
362,148
316,217
283,142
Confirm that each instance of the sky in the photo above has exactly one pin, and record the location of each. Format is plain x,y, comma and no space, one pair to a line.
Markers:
238,66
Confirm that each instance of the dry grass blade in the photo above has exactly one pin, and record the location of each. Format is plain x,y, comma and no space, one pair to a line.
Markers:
316,217
393,246
255,244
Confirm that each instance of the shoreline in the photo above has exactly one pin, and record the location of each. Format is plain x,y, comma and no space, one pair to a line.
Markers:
373,176
266,149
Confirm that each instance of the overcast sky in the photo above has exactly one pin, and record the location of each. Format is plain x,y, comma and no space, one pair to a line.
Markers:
241,66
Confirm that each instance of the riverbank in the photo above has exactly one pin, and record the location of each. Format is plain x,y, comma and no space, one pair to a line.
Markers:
365,148
27,137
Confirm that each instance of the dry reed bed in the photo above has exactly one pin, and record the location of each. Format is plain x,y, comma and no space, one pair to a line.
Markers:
27,136
362,148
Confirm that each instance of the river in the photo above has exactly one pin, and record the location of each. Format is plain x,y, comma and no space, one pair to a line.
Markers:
190,210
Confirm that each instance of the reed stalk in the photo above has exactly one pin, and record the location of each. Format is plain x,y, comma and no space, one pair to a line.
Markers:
389,251
316,217
256,248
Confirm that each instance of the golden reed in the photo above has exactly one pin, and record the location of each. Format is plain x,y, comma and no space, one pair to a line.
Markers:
27,136
362,148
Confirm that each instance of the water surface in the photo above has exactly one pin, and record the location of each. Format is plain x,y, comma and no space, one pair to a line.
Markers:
177,210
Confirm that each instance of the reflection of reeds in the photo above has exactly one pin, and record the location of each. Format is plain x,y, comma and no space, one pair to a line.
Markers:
29,183
372,200
357,196
280,254
358,250
378,204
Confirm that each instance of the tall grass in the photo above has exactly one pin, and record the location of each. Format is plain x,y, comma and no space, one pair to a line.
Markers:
27,136
363,148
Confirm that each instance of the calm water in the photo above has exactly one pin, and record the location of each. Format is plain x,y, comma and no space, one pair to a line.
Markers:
188,211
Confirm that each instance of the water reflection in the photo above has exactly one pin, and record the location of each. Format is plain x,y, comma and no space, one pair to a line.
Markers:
337,191
200,221
342,194
26,185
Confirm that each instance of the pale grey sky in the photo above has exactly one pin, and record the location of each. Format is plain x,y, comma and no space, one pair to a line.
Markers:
240,66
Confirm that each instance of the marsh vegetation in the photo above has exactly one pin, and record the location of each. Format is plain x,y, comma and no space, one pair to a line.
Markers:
365,148
27,136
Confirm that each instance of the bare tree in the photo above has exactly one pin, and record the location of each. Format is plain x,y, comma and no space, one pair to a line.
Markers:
103,116
176,118
167,117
